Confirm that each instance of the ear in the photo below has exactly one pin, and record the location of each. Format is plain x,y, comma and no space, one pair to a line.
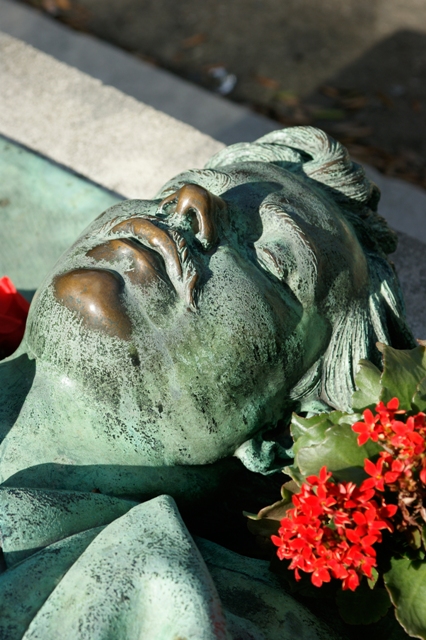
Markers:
263,456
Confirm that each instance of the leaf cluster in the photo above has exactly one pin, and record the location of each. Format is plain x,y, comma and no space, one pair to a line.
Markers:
327,439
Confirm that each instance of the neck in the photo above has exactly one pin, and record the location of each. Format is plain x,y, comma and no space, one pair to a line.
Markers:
48,440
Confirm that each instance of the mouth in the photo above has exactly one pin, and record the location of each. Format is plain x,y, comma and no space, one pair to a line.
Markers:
169,245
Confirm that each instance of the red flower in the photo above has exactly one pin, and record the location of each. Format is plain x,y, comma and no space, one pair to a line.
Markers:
397,468
319,576
401,467
331,530
376,471
387,411
351,581
334,526
13,316
367,429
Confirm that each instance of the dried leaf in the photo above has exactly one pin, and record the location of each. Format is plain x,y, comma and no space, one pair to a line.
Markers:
385,100
269,83
355,103
329,91
288,97
353,130
53,6
194,41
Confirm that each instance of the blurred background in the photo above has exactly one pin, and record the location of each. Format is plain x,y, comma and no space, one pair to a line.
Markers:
356,68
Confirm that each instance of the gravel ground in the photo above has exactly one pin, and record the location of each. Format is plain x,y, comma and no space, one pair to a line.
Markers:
356,68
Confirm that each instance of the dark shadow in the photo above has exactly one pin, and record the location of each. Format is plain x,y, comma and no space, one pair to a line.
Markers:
410,265
28,294
248,197
16,379
187,484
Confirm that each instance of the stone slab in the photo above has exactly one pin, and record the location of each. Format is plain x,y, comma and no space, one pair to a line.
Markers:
402,204
96,130
410,263
209,113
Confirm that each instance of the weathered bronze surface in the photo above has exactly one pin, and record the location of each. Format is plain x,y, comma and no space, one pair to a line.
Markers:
174,334
179,331
191,198
95,295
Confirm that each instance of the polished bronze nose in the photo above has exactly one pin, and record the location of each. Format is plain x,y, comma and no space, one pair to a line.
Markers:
208,208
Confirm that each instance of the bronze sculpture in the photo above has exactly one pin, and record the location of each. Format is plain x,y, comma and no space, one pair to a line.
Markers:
177,332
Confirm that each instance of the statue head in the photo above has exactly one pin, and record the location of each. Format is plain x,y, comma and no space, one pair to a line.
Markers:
176,329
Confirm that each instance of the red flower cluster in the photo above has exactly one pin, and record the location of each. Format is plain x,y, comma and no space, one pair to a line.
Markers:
331,530
13,316
401,466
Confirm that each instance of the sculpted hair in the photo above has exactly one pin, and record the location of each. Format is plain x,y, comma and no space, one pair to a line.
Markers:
323,160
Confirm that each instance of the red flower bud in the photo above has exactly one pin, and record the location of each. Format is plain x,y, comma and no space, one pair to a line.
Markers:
13,316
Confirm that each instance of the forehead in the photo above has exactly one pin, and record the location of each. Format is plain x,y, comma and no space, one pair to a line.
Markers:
258,184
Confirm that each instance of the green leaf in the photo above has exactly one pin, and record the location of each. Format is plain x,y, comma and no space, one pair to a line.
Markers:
415,539
274,511
339,451
363,606
309,426
310,431
294,472
267,521
419,400
288,489
406,584
368,386
374,577
403,370
328,114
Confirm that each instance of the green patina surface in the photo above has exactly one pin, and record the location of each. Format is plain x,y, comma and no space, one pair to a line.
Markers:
294,289
43,209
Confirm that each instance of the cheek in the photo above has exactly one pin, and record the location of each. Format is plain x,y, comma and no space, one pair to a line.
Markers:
238,338
230,373
232,301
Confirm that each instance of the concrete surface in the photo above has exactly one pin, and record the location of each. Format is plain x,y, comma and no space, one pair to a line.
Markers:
213,115
298,43
410,263
282,54
402,204
96,130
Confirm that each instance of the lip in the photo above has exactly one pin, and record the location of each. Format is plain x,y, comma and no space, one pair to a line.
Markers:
168,244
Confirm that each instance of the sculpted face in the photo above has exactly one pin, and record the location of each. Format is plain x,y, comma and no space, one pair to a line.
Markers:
184,325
